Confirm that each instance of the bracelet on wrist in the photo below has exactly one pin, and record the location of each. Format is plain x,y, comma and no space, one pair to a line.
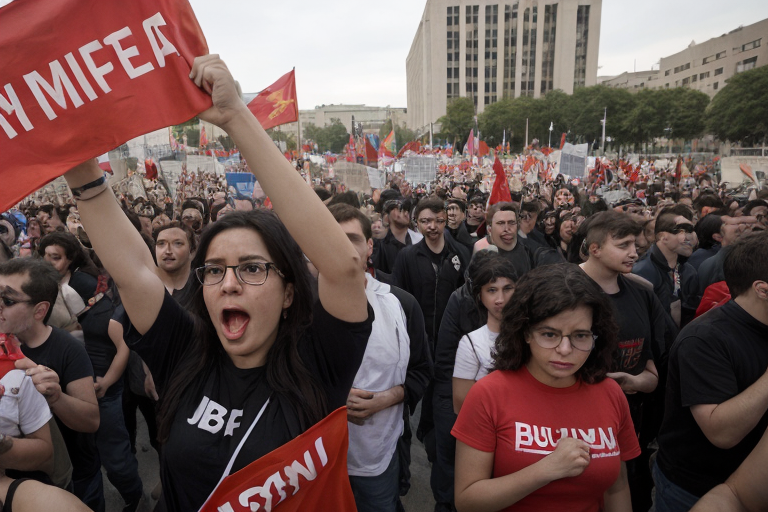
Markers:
90,190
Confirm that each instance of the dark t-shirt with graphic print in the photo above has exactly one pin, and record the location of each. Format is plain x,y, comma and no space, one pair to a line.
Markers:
213,417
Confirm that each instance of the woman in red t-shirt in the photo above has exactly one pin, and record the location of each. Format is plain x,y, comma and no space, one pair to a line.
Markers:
548,431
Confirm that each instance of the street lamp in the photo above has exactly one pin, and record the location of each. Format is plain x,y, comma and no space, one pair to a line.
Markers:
551,127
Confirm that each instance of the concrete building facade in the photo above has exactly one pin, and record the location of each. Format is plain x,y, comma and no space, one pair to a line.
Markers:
371,118
705,66
709,65
486,50
635,81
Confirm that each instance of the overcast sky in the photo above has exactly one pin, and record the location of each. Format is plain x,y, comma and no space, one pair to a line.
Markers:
349,51
354,51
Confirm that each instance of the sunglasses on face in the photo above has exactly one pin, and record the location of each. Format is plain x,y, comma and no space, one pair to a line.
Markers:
11,302
682,228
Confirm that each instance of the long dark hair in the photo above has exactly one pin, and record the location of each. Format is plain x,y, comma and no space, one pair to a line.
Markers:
548,291
286,374
73,250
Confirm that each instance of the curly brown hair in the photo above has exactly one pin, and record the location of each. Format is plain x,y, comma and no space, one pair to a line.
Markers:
548,291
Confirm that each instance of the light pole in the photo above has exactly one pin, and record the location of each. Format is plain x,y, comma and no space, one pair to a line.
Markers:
551,127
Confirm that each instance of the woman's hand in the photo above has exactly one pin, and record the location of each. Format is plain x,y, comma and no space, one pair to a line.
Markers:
570,458
211,74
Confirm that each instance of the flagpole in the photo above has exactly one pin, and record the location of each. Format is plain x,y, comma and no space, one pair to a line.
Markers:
605,119
526,132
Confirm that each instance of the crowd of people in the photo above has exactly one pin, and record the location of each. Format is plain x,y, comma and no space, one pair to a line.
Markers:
567,352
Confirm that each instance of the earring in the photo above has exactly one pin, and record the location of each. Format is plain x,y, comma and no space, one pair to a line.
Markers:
285,314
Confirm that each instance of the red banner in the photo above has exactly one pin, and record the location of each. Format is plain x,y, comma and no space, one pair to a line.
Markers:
308,473
80,78
277,104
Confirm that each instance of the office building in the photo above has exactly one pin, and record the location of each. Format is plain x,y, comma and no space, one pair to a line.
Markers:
487,51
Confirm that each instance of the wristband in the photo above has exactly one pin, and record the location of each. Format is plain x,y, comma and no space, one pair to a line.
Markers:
90,190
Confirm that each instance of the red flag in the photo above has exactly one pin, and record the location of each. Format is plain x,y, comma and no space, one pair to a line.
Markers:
679,169
151,169
307,473
81,78
562,141
414,146
635,174
203,136
370,153
351,153
277,104
747,171
500,192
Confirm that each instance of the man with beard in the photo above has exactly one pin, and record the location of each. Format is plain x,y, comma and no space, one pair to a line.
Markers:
665,265
397,213
456,210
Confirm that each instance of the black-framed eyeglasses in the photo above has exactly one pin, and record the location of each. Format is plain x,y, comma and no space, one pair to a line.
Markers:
580,340
253,272
3,229
9,303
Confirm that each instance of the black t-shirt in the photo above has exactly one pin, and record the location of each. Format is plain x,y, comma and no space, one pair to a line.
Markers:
67,357
634,316
209,425
99,346
715,357
519,257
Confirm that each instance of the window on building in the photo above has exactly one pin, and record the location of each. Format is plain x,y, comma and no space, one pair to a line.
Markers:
751,46
715,85
718,71
707,60
666,73
582,40
746,64
694,78
704,75
720,55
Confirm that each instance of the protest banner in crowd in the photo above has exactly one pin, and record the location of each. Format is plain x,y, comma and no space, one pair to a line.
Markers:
80,78
307,473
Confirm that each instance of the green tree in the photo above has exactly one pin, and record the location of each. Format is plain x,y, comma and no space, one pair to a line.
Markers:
589,104
739,112
458,120
280,136
688,113
328,138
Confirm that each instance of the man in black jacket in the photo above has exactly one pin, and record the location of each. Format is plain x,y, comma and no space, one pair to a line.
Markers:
397,213
665,266
430,271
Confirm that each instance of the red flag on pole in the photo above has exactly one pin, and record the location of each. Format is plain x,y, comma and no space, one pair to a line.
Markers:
500,192
371,155
203,137
277,104
307,473
562,141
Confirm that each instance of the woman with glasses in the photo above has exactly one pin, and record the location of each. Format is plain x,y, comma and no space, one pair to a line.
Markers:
251,361
546,430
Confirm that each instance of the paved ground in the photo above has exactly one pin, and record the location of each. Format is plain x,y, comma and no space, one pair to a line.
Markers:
419,499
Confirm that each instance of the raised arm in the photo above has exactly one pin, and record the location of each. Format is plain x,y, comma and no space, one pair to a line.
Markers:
341,285
120,248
